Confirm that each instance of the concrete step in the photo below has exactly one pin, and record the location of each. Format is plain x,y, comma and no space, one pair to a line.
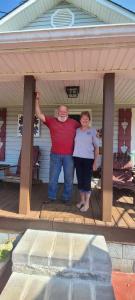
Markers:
36,287
68,255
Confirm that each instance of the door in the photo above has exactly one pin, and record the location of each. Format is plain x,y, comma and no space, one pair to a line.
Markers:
74,114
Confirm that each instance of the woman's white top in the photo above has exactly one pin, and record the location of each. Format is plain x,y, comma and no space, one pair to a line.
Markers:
85,143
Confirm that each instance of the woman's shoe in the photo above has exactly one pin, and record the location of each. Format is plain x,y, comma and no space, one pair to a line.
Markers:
80,204
84,208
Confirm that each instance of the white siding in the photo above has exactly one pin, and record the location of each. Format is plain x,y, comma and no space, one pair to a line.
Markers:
13,143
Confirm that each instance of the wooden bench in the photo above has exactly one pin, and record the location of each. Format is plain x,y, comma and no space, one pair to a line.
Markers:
123,173
10,176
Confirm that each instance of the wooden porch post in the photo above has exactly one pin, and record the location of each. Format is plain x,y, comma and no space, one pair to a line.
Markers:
27,143
107,154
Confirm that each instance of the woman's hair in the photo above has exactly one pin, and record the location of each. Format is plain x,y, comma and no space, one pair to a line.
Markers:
85,113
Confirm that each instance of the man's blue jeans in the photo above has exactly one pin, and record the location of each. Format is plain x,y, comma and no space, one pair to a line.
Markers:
57,161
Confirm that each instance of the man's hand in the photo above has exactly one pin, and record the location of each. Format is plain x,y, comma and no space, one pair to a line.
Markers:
38,111
36,95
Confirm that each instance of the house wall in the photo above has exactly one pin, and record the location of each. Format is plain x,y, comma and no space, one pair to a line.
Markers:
13,142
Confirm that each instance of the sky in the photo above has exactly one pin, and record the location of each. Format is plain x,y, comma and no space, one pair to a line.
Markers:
129,4
7,5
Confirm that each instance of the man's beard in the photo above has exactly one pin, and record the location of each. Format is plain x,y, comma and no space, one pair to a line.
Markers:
62,118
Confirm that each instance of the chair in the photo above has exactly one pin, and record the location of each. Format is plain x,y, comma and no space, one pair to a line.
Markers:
123,173
15,177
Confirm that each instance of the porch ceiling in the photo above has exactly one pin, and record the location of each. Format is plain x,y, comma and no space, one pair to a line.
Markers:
58,61
60,58
53,92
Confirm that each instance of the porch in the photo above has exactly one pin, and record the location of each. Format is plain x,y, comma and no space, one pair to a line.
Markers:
56,216
50,62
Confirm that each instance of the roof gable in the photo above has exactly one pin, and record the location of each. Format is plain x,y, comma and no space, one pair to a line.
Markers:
34,13
64,14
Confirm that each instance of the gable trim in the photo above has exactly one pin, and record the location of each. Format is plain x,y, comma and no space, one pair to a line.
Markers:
108,34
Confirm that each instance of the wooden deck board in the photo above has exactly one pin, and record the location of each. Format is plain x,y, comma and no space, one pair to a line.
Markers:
123,213
125,208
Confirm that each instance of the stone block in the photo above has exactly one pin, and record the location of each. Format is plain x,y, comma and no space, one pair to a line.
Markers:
104,292
122,265
67,254
115,250
61,250
129,252
25,286
116,264
41,251
127,265
22,250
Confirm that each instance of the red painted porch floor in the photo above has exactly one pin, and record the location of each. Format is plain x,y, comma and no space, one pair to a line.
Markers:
123,285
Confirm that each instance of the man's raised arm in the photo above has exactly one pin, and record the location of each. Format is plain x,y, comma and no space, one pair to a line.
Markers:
38,112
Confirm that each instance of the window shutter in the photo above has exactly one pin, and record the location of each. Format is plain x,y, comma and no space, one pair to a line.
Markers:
124,115
3,113
128,115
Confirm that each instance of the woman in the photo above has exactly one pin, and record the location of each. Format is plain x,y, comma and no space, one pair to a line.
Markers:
85,154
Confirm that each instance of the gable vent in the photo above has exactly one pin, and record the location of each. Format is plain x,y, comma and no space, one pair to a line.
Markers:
62,18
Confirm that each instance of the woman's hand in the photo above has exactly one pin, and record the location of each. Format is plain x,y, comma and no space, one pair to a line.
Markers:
94,166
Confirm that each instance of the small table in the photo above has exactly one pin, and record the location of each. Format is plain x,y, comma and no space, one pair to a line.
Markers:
5,168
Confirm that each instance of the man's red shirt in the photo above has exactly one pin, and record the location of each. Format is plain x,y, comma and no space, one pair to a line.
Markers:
62,134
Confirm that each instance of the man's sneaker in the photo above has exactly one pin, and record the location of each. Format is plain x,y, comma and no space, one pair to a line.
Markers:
46,201
51,200
67,202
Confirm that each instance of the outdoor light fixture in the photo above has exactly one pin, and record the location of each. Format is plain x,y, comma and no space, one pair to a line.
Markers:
72,91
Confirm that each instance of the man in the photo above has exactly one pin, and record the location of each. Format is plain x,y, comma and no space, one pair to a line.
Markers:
62,131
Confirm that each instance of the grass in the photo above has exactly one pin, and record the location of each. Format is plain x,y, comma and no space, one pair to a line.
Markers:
5,250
